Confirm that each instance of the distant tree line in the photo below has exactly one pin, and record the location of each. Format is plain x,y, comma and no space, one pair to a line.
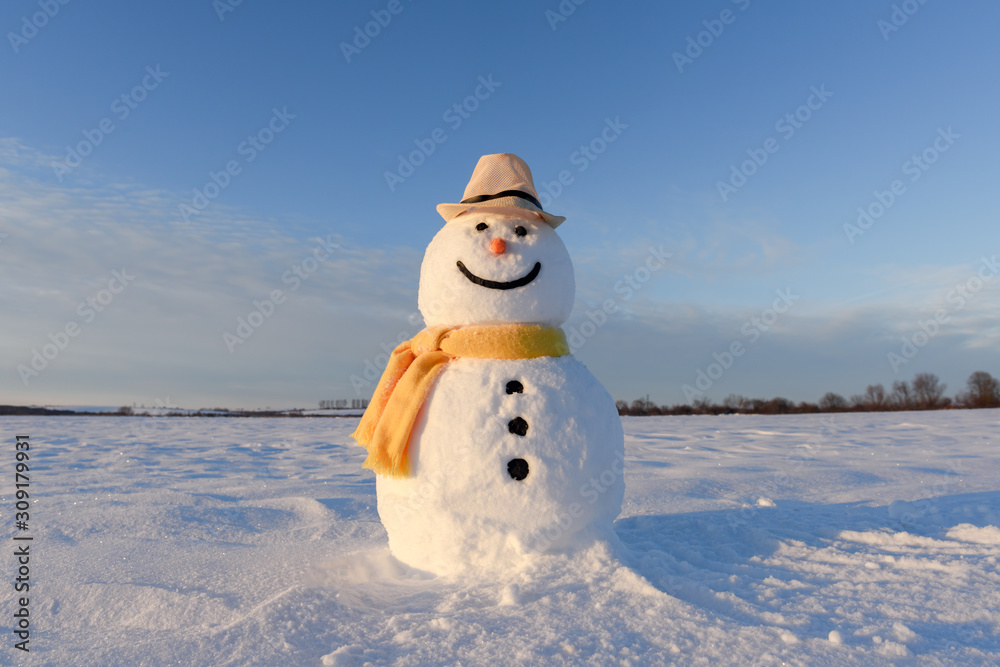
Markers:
925,392
340,403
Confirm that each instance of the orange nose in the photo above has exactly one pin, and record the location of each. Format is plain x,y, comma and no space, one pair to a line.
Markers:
498,246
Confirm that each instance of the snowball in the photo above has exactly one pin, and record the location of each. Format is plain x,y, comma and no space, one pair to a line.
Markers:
447,296
511,595
788,637
903,633
345,656
462,510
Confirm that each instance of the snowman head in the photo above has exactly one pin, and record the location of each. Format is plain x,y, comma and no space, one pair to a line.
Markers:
496,265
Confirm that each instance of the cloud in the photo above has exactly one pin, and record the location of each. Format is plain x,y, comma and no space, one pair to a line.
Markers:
15,153
658,345
716,250
163,333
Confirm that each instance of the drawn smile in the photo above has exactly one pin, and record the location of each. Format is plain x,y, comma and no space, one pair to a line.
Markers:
494,284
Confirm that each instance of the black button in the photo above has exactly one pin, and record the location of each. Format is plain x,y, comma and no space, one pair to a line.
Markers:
517,468
517,426
514,387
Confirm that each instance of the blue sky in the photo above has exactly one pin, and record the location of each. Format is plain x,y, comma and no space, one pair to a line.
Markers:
868,86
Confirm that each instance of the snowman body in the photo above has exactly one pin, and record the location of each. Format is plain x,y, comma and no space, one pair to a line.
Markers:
508,456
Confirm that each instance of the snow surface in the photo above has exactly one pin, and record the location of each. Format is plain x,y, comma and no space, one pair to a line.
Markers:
163,412
809,539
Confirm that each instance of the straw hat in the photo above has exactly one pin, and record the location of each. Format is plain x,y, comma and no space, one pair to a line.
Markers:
499,180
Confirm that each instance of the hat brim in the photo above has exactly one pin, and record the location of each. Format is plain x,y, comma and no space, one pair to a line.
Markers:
451,211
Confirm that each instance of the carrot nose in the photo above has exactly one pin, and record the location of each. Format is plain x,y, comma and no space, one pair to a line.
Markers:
498,246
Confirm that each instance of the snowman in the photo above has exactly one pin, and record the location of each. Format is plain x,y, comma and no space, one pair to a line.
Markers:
491,442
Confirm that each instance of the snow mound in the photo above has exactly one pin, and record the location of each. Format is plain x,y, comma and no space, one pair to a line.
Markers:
966,532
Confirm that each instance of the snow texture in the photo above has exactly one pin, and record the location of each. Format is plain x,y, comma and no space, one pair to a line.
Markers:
201,541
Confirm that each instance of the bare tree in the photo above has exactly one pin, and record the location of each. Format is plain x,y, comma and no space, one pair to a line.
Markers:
832,401
928,391
702,406
983,391
874,398
902,397
780,405
736,402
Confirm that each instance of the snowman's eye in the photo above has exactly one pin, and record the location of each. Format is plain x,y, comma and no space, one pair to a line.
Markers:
520,231
481,226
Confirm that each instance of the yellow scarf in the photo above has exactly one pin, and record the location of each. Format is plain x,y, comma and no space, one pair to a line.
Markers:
386,425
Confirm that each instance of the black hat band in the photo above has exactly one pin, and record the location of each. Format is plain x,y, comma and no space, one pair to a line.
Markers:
506,193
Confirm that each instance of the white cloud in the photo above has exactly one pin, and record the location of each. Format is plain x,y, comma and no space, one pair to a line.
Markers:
163,335
13,152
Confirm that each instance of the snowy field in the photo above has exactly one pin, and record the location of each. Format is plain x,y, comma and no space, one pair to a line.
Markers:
804,540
